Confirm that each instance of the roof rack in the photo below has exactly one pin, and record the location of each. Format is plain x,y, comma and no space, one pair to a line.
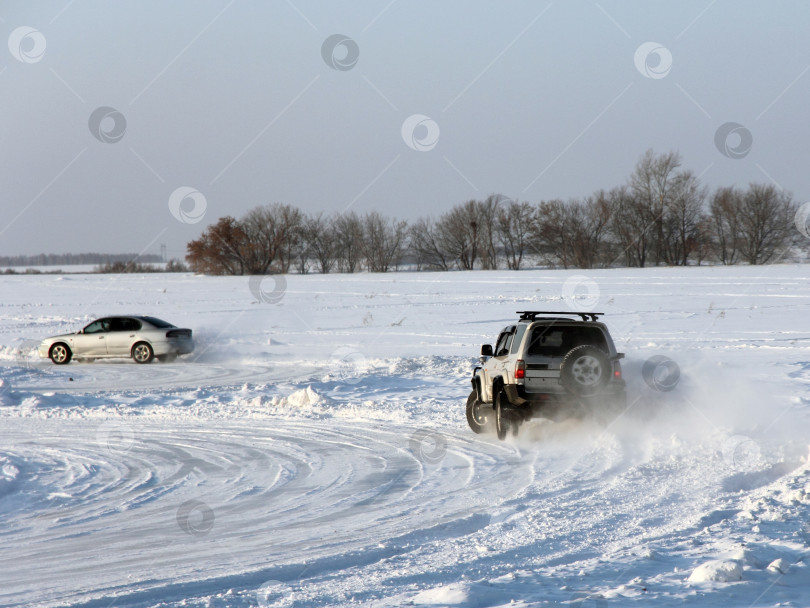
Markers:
531,315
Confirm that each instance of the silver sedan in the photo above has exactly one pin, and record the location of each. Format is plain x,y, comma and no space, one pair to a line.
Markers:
142,338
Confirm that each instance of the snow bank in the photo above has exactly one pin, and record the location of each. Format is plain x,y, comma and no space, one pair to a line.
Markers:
720,571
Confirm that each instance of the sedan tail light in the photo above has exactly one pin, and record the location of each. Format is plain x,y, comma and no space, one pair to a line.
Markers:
178,333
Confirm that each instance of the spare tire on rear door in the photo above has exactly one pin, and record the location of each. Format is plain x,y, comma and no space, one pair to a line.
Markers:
585,371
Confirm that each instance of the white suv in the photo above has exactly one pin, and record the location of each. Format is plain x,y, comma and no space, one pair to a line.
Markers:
545,365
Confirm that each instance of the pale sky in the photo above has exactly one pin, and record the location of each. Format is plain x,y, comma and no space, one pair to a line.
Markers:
405,107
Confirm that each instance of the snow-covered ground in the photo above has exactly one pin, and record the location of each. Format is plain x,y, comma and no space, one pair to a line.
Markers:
313,451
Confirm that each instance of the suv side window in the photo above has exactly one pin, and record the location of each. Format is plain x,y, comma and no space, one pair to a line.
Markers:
504,341
518,338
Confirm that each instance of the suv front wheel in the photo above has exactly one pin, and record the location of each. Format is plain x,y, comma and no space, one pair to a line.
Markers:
480,416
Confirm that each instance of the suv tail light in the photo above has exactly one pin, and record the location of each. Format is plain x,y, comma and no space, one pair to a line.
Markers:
617,369
520,369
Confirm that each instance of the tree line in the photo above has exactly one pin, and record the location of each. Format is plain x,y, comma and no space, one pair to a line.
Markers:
662,215
74,259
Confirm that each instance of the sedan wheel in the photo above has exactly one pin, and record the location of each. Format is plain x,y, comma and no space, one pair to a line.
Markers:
142,353
60,354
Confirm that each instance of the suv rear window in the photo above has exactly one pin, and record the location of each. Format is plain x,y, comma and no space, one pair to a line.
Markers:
556,340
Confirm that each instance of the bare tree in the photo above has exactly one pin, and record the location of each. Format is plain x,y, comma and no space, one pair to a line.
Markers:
590,221
486,212
654,185
458,232
217,251
765,222
515,227
288,221
264,239
553,237
319,235
575,233
349,242
724,211
631,226
427,246
383,241
682,218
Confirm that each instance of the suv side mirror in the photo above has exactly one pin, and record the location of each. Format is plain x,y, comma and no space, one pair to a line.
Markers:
486,350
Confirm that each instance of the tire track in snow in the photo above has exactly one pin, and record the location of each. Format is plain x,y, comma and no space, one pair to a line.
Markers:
141,506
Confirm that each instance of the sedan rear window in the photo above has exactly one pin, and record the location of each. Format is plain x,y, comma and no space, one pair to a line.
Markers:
157,322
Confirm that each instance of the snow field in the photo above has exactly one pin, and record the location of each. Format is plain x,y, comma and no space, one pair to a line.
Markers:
313,451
